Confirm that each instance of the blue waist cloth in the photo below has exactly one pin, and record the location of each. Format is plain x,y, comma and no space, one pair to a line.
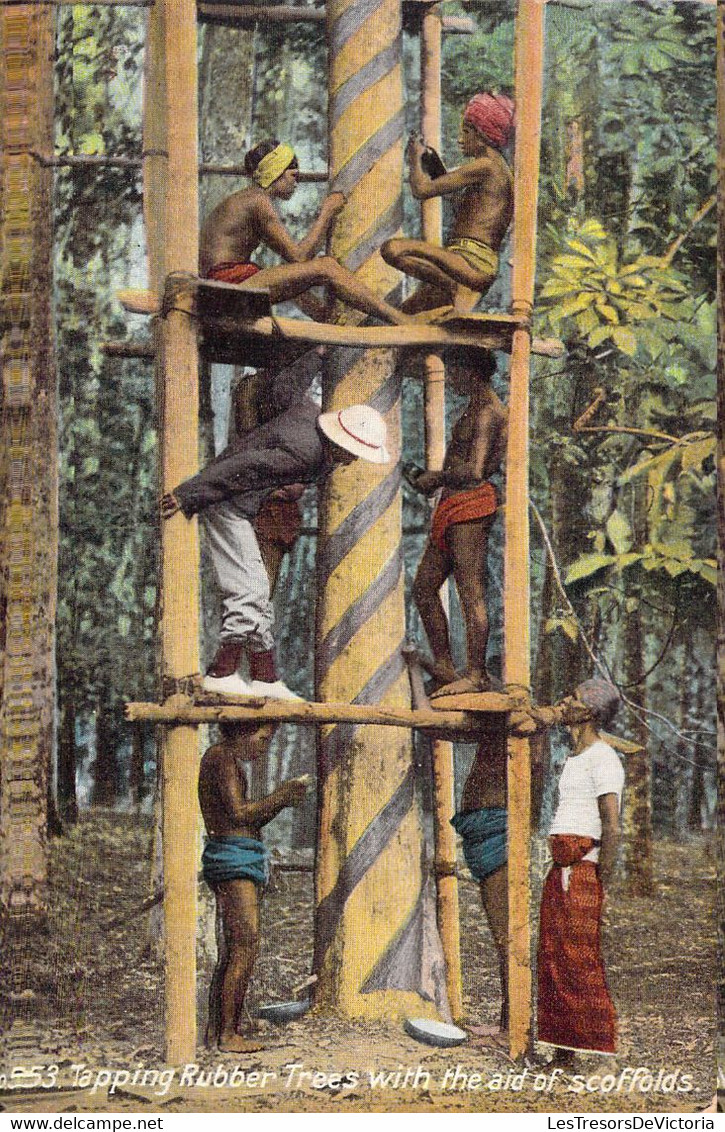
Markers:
235,858
484,839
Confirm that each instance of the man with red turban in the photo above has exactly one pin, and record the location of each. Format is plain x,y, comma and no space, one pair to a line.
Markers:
459,273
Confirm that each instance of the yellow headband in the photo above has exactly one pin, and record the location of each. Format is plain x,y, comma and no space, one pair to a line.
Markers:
273,165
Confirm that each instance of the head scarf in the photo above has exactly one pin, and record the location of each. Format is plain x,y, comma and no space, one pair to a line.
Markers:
493,115
601,697
273,165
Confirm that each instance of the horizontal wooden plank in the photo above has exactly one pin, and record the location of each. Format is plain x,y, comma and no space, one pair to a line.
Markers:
216,709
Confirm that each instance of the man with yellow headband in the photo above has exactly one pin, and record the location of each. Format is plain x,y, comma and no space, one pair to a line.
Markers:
238,225
459,273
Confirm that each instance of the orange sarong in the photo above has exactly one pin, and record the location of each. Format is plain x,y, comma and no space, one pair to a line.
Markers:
463,507
230,272
575,1009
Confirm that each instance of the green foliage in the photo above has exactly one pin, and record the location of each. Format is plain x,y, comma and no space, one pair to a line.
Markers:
607,300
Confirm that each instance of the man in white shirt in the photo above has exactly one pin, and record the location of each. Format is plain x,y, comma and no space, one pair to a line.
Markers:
575,1010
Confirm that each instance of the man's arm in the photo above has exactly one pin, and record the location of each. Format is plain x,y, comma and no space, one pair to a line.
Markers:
423,187
469,471
241,811
609,813
275,235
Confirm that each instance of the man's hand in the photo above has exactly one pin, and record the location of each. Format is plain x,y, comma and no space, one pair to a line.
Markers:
295,790
428,482
289,494
169,505
414,150
334,203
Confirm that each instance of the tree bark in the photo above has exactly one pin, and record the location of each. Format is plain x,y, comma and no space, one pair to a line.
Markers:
67,763
28,459
637,817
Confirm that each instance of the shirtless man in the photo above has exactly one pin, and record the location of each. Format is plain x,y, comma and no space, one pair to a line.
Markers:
240,223
461,272
481,823
235,866
461,523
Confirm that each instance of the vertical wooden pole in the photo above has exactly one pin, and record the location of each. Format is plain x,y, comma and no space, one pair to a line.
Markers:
368,923
172,90
529,46
435,447
721,526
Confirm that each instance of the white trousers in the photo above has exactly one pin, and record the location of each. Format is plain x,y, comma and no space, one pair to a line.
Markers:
247,612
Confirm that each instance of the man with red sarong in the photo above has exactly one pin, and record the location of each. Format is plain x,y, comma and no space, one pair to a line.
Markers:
236,228
461,523
575,1010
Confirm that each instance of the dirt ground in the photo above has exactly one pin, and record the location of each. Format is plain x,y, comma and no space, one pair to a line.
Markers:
86,996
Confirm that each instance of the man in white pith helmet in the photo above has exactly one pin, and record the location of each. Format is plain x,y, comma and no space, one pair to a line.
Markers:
297,447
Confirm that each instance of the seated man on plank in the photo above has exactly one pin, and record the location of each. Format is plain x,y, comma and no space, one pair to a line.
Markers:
459,273
240,223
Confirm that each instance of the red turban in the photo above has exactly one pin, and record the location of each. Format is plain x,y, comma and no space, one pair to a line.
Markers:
493,116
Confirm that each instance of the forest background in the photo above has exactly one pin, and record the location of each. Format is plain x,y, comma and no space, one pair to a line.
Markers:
623,506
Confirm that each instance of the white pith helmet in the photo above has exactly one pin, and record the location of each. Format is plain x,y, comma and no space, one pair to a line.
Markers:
358,429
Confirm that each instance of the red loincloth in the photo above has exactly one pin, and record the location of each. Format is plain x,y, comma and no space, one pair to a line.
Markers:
463,507
278,521
575,1009
230,272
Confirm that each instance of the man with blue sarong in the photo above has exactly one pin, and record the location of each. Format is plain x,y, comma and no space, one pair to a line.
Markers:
235,865
481,823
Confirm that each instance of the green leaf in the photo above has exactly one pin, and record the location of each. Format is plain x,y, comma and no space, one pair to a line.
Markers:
626,340
587,565
694,455
581,248
599,335
619,531
625,560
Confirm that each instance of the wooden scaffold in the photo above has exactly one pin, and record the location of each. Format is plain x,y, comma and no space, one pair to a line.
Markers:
369,835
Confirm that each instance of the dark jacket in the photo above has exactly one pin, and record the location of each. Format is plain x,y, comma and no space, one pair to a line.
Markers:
289,449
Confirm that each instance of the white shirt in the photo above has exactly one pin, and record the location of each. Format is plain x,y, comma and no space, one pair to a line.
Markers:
584,779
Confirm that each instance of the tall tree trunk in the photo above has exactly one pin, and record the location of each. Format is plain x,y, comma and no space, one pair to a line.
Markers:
67,762
106,780
138,777
28,458
637,818
721,529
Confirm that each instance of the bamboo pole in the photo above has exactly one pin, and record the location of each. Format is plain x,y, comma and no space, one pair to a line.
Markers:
529,44
173,246
182,709
435,446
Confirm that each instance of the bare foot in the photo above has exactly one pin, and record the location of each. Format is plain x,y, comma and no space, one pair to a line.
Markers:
235,1043
463,687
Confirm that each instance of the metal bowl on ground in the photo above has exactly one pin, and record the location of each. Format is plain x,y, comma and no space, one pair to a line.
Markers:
441,1034
281,1012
